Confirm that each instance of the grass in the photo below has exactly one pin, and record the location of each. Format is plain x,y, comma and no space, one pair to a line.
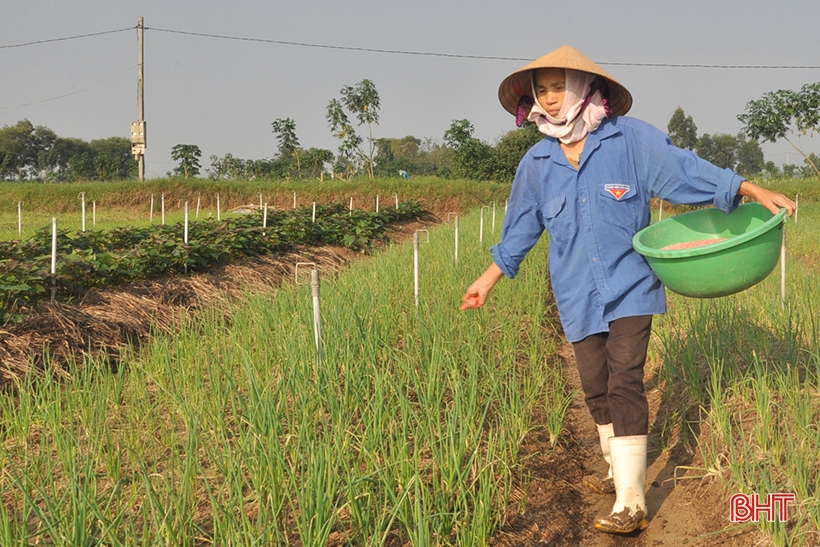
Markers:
234,432
751,363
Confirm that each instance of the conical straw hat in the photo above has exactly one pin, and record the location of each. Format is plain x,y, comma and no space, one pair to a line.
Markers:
518,83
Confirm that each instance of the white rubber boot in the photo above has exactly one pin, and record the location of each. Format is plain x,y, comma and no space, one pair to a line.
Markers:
598,483
628,457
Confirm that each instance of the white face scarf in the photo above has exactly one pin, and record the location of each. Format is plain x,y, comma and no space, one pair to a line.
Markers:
580,113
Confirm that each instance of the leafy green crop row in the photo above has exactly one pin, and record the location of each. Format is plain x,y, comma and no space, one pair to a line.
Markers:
94,259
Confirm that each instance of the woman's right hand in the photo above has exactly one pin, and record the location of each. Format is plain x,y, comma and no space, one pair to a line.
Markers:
475,297
477,293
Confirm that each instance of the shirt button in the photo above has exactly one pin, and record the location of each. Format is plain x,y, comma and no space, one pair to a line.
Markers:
589,229
595,259
584,200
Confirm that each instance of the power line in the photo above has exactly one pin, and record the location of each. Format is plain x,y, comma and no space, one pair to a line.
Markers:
409,52
73,92
460,56
346,48
66,38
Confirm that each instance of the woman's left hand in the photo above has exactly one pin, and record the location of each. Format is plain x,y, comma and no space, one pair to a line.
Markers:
768,199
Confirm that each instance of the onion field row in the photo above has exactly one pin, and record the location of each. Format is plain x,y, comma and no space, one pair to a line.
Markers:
746,371
235,432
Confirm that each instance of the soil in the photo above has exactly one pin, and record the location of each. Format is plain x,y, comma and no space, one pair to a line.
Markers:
549,505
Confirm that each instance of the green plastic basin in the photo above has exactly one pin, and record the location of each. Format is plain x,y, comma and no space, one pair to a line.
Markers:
752,238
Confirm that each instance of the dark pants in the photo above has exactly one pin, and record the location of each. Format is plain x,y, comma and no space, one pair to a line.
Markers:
611,368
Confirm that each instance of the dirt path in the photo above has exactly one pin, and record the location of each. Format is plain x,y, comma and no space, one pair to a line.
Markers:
553,507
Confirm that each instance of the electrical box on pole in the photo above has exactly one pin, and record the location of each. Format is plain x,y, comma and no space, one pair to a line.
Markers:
138,138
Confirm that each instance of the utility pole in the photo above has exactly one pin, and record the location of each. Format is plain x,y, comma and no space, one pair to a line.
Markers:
138,127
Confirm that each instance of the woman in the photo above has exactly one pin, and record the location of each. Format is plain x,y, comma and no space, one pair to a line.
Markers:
588,183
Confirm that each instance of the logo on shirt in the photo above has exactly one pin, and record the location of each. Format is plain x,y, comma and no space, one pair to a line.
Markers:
617,190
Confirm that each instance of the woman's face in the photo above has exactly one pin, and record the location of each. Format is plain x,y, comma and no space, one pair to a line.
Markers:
550,88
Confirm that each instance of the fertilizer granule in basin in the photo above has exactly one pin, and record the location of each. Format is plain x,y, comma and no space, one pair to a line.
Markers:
692,244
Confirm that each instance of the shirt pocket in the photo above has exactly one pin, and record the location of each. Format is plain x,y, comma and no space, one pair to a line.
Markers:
619,204
557,220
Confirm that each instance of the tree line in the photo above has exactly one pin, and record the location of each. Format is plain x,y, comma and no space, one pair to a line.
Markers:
37,153
736,152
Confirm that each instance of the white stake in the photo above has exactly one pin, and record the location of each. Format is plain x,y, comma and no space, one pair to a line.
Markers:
493,217
350,208
94,213
260,199
20,218
82,197
265,216
53,259
796,206
185,238
377,203
660,210
397,200
294,200
314,211
163,209
151,214
218,208
505,205
198,197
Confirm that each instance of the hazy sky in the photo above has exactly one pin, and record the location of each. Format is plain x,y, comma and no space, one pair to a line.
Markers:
222,94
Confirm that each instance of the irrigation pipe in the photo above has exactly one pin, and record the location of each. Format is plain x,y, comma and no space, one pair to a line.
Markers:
456,232
416,262
317,307
783,271
481,224
53,259
82,197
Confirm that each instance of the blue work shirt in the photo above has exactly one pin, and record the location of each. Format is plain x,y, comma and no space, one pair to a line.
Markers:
592,213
